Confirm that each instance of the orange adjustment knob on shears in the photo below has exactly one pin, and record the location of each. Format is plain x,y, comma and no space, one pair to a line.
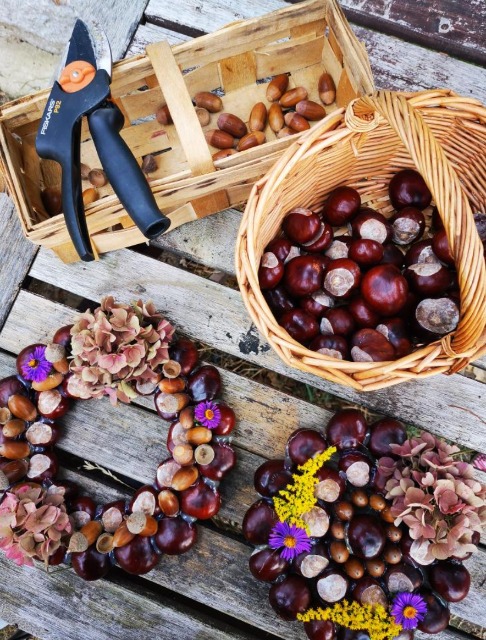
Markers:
76,75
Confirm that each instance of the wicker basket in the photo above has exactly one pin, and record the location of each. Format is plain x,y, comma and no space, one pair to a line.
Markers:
303,40
440,134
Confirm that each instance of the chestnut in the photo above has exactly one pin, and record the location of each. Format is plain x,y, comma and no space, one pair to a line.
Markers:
63,337
368,591
42,466
339,248
344,510
342,278
137,556
330,486
320,630
338,551
396,332
368,345
375,567
310,564
12,471
363,315
341,206
304,444
184,351
258,522
317,522
428,279
403,577
383,433
278,300
392,255
42,434
303,275
175,536
332,586
435,317
366,252
408,225
359,498
84,504
346,429
224,460
440,246
204,384
200,501
338,530
357,467
270,272
366,536
52,404
392,553
316,303
300,325
9,387
166,472
337,320
267,564
371,225
354,568
271,477
90,564
227,421
281,247
450,579
331,345
290,597
437,223
385,289
145,500
321,240
407,188
420,252
437,617
301,225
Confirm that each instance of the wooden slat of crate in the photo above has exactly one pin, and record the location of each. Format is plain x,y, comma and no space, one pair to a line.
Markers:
230,329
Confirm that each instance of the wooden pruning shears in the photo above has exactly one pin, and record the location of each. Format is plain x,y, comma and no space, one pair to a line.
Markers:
83,88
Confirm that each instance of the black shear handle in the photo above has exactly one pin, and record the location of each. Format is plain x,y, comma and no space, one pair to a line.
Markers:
123,171
72,197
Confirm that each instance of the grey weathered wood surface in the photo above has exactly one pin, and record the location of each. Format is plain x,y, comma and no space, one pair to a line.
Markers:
209,592
16,255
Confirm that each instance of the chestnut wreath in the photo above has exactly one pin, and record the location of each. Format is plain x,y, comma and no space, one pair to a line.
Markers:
161,517
353,559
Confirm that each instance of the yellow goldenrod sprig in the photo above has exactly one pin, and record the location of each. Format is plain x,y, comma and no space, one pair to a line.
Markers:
298,497
366,617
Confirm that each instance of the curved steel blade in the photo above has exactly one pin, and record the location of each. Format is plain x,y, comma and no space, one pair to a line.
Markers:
89,43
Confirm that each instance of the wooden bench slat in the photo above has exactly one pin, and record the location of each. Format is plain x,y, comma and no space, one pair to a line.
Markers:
216,315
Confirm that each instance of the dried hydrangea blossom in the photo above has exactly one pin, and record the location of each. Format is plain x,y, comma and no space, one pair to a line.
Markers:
116,346
436,496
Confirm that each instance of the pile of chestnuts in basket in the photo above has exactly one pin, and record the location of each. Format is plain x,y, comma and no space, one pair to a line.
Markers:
372,293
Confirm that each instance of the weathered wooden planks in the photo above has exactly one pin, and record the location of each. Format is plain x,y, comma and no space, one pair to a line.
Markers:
48,25
451,407
16,255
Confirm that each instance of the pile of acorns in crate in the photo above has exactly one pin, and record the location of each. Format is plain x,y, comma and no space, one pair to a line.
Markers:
289,113
371,295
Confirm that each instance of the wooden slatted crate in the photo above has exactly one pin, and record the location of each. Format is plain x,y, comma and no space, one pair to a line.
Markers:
302,40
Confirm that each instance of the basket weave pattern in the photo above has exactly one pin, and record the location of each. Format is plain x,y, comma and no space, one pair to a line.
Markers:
439,133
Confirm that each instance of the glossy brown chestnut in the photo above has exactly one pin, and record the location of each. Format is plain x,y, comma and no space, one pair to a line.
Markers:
41,434
10,386
392,553
396,332
407,188
52,404
175,536
43,466
290,597
320,630
145,499
271,477
278,300
304,444
303,275
316,303
366,536
357,467
270,272
184,352
341,206
371,225
403,577
224,460
449,579
440,246
429,279
321,241
408,225
342,278
354,568
332,585
310,564
267,564
339,552
437,617
331,485
331,345
338,530
300,325
200,501
420,252
368,591
359,498
375,567
301,225
435,317
204,384
385,289
63,337
383,433
339,248
258,522
83,503
227,421
366,252
346,429
90,564
344,510
392,255
337,320
137,557
281,247
363,315
368,345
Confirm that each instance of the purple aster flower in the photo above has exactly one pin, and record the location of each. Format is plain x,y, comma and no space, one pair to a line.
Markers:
208,414
408,609
293,539
36,367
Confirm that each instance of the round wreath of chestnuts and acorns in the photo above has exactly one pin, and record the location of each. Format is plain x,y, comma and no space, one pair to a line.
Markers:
362,531
121,351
